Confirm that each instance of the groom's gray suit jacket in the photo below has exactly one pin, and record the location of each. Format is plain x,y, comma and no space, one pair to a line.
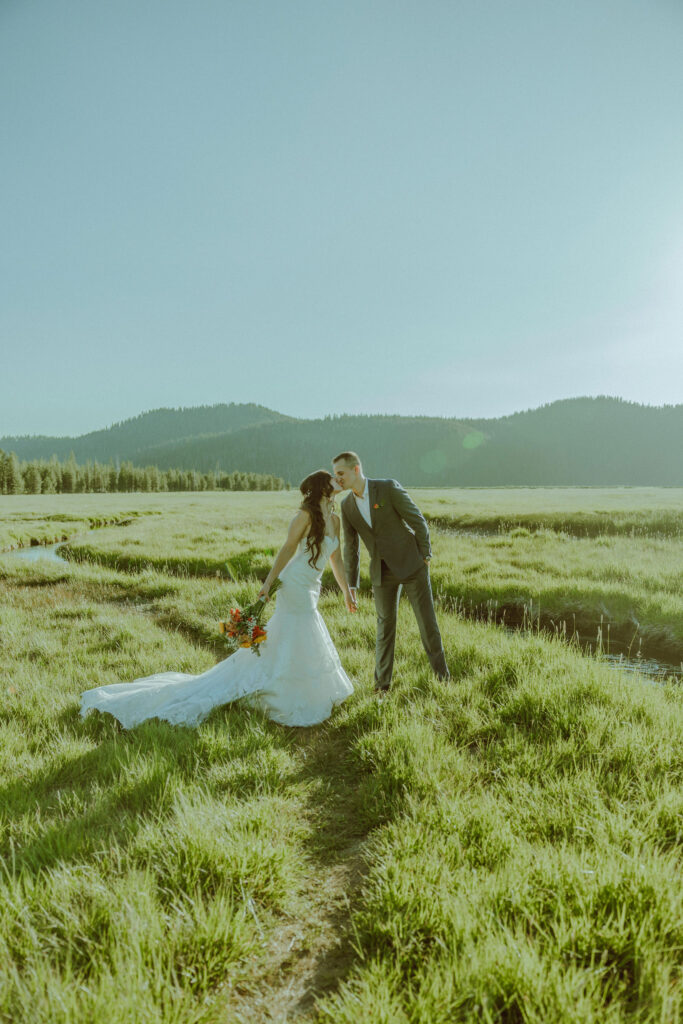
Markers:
399,535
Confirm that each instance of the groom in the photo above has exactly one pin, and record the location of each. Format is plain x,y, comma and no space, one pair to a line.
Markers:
397,538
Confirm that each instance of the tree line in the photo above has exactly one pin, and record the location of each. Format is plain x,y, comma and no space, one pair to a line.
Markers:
50,476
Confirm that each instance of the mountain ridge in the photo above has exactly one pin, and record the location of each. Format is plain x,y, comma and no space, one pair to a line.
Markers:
194,420
582,441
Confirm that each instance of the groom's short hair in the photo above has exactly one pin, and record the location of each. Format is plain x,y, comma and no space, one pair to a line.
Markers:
350,458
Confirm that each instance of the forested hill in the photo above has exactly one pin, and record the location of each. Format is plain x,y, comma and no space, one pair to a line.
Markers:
584,441
124,440
581,441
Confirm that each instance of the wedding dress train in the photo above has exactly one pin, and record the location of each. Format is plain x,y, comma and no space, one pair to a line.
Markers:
297,679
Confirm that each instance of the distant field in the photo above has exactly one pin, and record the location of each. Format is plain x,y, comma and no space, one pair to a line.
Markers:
507,848
581,511
48,518
578,510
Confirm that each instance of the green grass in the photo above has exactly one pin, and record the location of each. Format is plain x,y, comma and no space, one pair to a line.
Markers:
631,589
579,511
505,848
44,519
627,585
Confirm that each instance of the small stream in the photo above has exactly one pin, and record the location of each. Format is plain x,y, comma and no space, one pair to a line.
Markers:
650,656
37,553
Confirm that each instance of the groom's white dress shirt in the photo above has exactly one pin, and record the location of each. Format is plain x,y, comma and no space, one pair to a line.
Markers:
364,504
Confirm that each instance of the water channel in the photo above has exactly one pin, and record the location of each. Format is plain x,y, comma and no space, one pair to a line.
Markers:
39,552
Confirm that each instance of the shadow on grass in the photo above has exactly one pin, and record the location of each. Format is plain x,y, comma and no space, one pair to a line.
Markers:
349,801
96,802
336,846
132,769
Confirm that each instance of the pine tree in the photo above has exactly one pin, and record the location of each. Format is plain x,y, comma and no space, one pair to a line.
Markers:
69,475
13,480
32,479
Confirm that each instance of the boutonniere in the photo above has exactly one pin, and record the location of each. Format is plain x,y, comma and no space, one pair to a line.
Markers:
378,504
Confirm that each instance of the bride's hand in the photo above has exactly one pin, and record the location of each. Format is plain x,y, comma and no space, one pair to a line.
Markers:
263,593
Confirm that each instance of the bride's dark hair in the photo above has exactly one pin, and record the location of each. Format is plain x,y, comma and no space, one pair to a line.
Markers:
316,486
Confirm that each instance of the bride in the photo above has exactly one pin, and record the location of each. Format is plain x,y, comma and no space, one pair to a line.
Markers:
298,678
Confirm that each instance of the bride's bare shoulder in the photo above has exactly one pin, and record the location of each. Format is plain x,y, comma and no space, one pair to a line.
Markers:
302,518
299,526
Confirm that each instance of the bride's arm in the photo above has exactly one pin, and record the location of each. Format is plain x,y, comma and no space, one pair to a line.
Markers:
298,529
337,564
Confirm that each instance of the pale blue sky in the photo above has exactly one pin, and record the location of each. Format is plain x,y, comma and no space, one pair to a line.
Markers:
455,208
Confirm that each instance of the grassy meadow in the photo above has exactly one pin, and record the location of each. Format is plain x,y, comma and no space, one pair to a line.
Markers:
504,848
504,555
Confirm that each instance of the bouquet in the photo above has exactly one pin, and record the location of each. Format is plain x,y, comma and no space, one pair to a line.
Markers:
244,629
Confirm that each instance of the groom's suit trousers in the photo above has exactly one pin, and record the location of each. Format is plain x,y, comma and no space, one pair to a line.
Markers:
419,592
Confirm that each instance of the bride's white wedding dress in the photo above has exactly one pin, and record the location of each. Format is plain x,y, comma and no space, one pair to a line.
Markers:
297,679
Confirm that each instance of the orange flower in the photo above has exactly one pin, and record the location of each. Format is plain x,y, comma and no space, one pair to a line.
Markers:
375,506
259,639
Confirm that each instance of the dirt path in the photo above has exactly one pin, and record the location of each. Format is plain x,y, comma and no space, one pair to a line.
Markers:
307,956
311,952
